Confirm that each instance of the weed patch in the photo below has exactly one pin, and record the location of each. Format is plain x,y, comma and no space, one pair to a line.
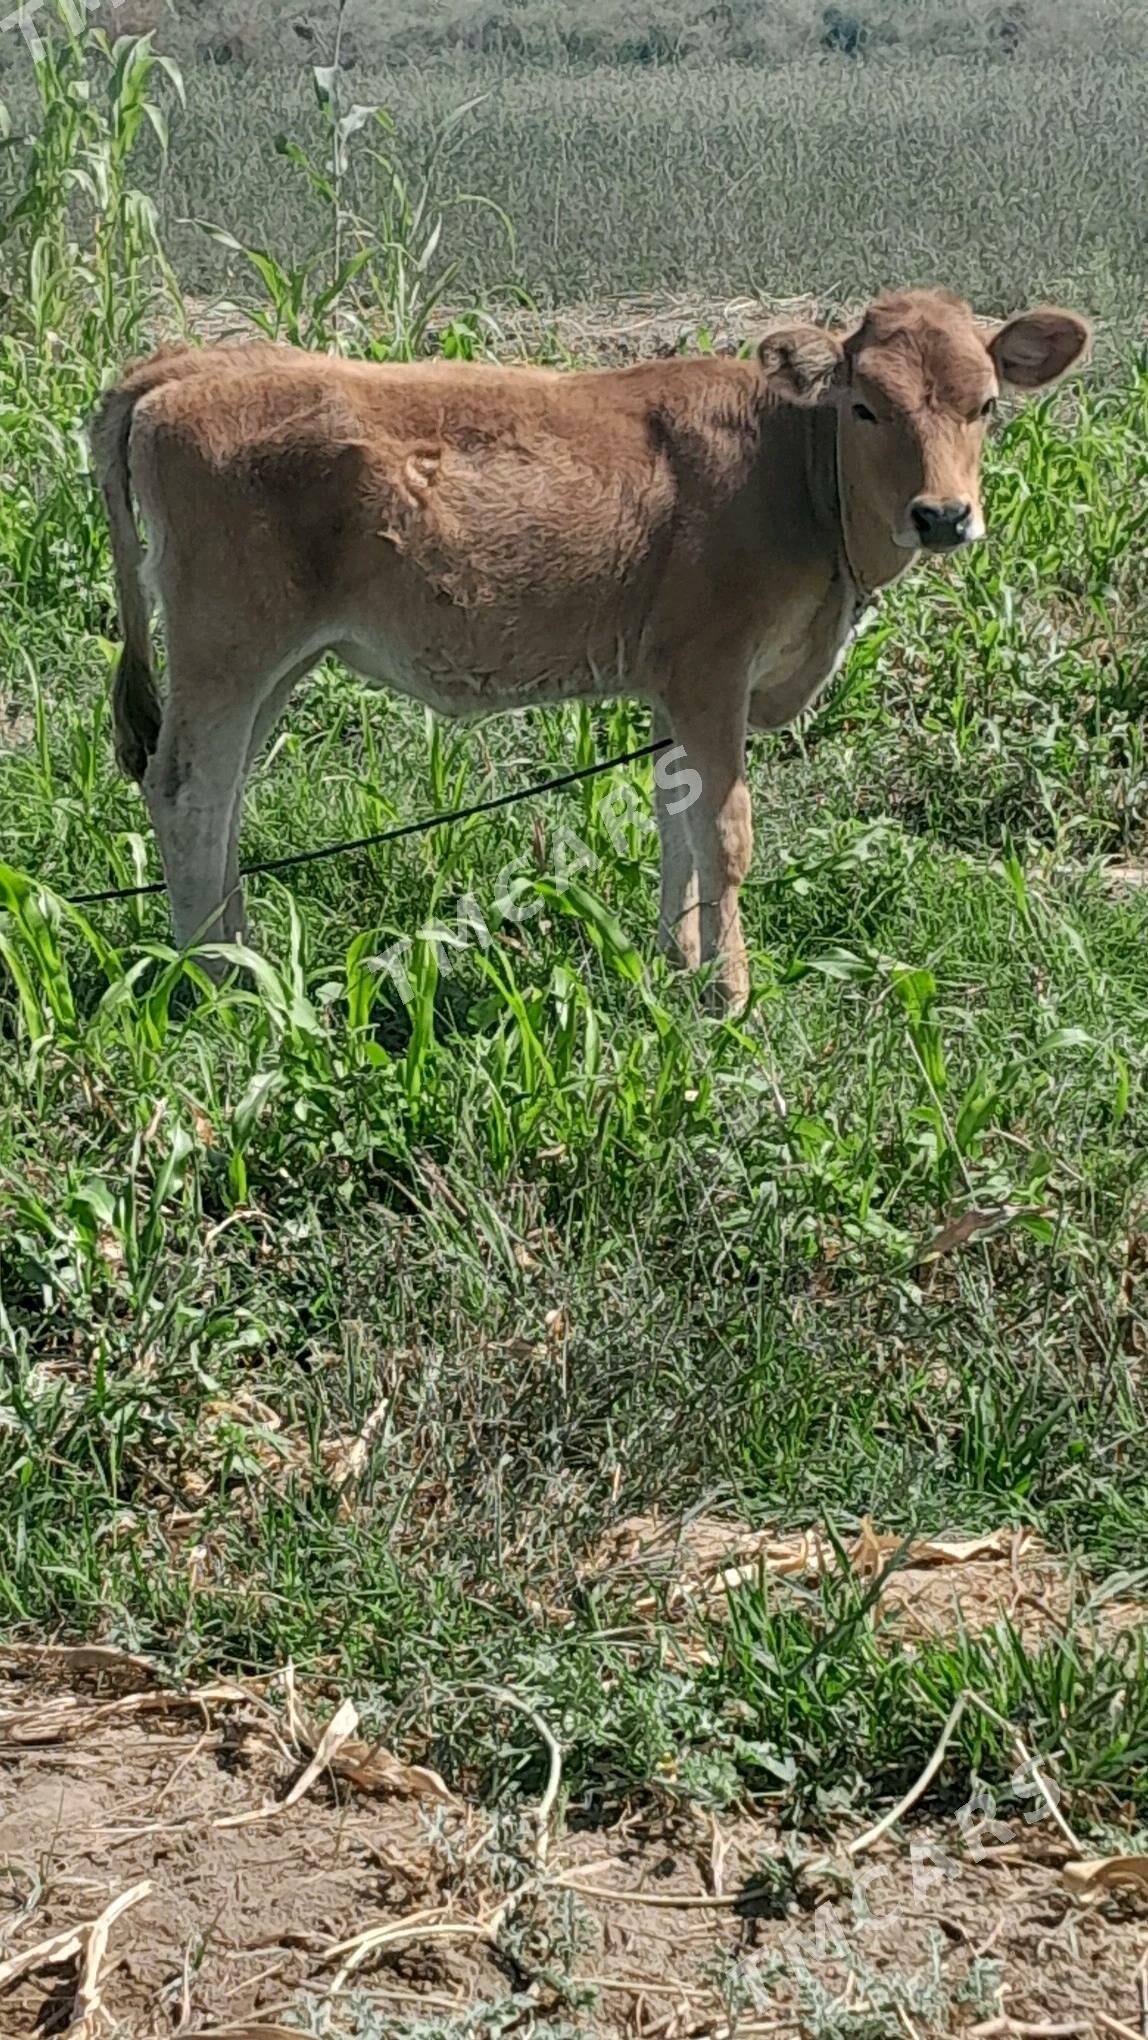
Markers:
338,1325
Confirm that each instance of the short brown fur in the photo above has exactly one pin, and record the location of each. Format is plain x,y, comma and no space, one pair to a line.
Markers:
701,534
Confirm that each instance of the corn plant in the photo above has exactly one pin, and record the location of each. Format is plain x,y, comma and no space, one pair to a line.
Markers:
80,246
371,284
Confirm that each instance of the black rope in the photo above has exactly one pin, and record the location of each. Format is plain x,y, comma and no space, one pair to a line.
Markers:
465,814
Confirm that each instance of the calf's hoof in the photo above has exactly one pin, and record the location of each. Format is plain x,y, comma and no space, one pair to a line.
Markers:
680,946
727,993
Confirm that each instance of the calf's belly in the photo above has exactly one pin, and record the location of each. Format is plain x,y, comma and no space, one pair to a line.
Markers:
488,666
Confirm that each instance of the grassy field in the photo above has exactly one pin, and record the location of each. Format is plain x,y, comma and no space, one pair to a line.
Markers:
1002,180
1002,175
557,1248
413,35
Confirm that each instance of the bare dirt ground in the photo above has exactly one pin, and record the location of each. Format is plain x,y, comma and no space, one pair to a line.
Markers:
269,1868
651,328
608,333
16,728
628,329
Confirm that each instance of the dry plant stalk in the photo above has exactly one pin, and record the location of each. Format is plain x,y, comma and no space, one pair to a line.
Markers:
62,1719
965,1700
341,1726
432,1924
1004,2028
367,1766
347,1462
87,1943
1097,1874
88,2001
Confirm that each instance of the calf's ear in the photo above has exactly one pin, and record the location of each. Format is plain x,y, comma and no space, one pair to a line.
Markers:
1037,348
801,362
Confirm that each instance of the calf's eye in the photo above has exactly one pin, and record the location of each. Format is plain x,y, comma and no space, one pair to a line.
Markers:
863,412
989,408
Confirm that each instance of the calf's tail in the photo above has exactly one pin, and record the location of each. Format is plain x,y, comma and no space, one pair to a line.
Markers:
136,709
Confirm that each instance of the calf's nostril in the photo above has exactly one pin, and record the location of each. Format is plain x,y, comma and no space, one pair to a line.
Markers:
941,524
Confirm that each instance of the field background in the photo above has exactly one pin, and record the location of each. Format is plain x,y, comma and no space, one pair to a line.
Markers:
727,150
341,1332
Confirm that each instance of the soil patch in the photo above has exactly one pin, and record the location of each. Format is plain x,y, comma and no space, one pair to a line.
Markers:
16,727
683,1570
382,1898
608,335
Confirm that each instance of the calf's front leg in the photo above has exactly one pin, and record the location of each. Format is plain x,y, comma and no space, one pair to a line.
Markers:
720,819
679,928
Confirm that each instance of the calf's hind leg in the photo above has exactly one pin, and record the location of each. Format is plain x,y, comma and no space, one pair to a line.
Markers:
192,786
271,707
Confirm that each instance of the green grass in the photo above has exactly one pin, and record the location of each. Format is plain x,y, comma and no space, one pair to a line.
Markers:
235,1222
1004,181
812,175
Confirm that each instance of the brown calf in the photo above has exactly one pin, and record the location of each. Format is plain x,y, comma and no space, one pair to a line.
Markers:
702,534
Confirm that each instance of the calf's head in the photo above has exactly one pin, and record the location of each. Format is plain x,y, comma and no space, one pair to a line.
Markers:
915,385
